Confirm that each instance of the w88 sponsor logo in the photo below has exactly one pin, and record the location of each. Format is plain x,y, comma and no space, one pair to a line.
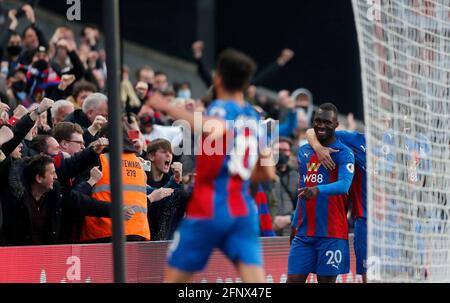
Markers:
313,178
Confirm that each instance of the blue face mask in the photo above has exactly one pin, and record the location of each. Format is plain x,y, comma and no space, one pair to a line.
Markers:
184,94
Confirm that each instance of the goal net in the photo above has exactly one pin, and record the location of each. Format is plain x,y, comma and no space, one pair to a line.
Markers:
405,66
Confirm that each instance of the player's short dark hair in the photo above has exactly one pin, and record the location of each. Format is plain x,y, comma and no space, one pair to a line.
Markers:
36,165
236,69
64,130
157,144
329,107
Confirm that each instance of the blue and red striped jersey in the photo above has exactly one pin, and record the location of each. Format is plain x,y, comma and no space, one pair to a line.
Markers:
224,165
358,190
326,214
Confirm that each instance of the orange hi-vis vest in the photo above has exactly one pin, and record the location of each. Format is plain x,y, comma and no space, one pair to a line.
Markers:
134,193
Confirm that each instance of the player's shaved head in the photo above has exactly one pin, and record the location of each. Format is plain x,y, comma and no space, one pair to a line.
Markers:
325,123
329,107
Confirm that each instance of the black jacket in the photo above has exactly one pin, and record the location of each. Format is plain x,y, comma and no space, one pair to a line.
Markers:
60,203
20,130
78,116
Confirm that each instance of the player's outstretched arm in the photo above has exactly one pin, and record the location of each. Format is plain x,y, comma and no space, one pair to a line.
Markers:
213,127
323,153
346,171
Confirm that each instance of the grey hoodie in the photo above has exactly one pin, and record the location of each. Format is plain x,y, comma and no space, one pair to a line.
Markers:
309,111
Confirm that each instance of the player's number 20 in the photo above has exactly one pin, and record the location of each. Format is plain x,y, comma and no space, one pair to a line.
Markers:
334,257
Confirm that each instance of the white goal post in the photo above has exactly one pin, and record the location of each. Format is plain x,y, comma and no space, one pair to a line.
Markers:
405,68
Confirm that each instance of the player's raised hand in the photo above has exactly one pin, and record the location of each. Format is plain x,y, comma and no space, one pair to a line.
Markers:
324,155
308,192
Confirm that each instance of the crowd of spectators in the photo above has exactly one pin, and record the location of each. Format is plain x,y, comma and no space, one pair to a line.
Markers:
54,129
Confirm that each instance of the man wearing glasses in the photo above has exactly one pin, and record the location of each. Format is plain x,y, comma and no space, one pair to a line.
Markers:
69,136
